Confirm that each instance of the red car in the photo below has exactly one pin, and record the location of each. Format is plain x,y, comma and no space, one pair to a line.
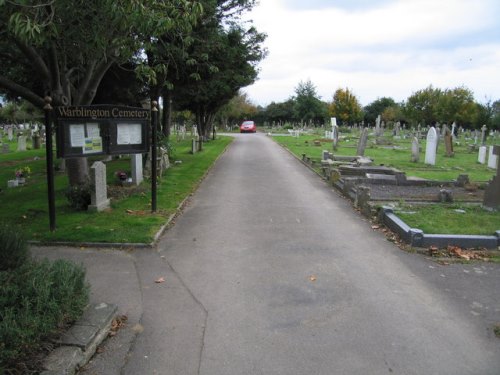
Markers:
248,127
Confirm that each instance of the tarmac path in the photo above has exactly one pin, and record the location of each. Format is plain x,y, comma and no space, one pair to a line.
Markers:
269,271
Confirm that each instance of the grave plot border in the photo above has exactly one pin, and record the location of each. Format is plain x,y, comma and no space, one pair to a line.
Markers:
416,237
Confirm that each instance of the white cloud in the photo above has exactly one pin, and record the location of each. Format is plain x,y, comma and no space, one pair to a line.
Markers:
391,48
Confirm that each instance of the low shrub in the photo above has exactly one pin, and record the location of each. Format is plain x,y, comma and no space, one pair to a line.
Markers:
14,249
36,300
79,197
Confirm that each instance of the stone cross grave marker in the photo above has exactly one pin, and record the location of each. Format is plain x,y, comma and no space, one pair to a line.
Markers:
21,143
483,135
431,146
99,194
362,143
492,192
415,150
492,158
481,158
136,168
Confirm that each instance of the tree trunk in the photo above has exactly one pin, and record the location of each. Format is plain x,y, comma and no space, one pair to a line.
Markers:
77,169
167,113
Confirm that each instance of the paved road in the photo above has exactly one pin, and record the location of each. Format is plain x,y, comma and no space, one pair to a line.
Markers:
269,271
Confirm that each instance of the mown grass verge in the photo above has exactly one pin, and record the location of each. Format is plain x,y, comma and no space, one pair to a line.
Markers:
129,220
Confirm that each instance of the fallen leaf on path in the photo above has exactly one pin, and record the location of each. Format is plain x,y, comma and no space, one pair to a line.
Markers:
312,278
160,280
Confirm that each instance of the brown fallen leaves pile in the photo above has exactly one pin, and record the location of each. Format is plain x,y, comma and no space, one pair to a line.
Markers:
458,252
117,323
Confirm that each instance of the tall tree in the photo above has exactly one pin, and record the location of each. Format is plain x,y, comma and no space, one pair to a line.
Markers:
377,107
308,106
224,59
63,48
422,106
345,107
457,105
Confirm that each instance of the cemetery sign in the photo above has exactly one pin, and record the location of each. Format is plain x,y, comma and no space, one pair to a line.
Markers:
101,129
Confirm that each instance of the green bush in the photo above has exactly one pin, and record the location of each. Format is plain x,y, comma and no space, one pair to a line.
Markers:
36,300
14,249
79,197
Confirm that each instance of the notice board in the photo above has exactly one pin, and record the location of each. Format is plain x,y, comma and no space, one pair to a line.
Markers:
101,130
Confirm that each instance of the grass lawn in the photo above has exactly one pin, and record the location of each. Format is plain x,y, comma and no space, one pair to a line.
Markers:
432,219
128,221
446,168
450,219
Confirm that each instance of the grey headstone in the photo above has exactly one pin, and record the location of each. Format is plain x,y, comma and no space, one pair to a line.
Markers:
136,168
10,134
21,143
492,191
99,197
481,158
335,130
415,150
483,135
362,143
430,147
492,158
448,141
5,148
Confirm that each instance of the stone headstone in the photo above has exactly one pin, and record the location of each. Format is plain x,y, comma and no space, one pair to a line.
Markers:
10,133
98,195
136,168
430,147
492,191
415,150
5,148
378,129
448,142
492,158
483,135
363,140
453,126
21,143
194,146
482,155
335,136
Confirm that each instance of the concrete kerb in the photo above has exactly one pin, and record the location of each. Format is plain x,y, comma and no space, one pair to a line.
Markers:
80,342
417,238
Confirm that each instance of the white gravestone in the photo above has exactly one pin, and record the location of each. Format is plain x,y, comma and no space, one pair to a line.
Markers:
482,155
10,134
492,159
99,194
21,143
431,146
136,168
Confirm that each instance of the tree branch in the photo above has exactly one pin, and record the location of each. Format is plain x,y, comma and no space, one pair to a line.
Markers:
34,57
21,91
95,80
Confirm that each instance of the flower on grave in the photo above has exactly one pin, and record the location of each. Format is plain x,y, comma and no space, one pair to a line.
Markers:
121,175
23,172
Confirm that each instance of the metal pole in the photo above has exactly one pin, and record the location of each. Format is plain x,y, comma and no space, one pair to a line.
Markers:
50,163
154,124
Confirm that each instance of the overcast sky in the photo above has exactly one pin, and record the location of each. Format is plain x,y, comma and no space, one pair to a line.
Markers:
378,48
